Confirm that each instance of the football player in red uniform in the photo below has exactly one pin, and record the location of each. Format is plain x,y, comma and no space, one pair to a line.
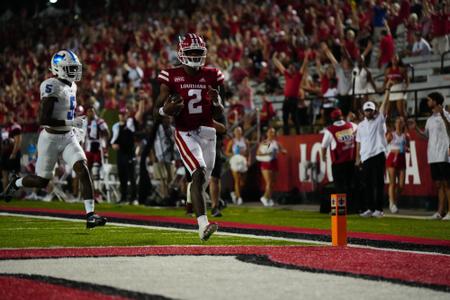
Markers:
97,133
10,155
190,93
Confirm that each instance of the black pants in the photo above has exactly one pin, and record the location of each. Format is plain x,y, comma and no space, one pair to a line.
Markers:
290,107
343,178
144,185
126,169
345,104
373,173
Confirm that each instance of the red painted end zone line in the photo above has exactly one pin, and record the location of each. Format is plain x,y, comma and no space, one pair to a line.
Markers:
409,267
290,229
22,288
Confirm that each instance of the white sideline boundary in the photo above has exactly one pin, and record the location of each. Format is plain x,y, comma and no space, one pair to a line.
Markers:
261,237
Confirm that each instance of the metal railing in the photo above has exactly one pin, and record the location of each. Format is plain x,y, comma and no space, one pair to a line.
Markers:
442,61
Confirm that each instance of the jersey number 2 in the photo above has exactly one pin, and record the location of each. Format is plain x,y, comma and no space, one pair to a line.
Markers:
192,107
71,112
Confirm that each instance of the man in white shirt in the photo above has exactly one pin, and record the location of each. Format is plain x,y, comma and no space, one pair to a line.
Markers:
437,131
371,146
420,47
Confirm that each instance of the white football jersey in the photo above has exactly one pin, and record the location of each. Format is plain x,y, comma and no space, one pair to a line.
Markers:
64,108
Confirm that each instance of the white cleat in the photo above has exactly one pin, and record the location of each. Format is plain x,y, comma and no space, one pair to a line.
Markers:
378,214
366,214
436,216
264,201
393,208
446,217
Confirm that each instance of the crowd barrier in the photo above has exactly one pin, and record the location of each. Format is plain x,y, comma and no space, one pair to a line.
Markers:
304,169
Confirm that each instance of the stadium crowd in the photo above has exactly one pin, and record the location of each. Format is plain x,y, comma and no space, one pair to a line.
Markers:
316,54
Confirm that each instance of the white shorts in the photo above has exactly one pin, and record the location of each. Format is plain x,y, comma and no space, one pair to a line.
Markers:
397,96
197,148
51,146
238,163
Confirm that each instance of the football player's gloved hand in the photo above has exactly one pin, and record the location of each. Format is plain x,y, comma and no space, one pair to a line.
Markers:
77,122
173,105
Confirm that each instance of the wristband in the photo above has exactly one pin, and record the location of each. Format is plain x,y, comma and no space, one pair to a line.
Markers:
161,111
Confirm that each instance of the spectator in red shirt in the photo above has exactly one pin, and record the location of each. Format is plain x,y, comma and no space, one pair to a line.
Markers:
387,47
350,45
439,30
293,77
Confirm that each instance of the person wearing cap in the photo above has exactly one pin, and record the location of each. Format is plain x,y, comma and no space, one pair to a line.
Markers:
340,138
437,131
123,142
371,147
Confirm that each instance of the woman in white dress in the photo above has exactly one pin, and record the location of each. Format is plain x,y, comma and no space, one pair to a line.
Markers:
267,156
237,150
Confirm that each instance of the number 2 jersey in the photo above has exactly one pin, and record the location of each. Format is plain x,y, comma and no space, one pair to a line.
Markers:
64,108
197,110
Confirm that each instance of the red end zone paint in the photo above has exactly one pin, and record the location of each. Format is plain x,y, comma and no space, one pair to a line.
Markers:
21,288
290,229
408,267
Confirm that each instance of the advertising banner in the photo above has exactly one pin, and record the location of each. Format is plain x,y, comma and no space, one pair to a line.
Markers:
304,168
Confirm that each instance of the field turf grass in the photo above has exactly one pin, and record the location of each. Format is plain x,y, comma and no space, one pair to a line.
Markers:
19,232
253,215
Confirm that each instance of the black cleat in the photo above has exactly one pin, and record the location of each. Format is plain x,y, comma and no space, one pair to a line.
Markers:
10,189
215,212
206,233
94,221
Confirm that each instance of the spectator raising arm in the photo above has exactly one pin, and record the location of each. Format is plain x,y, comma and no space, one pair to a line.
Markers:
328,54
278,63
386,98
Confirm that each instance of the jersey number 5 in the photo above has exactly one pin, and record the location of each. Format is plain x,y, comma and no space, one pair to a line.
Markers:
193,106
71,112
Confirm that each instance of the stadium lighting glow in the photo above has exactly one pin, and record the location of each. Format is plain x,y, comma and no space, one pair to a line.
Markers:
53,1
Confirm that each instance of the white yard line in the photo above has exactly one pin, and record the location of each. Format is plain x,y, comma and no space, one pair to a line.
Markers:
262,237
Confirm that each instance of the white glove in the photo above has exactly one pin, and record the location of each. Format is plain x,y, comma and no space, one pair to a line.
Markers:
78,122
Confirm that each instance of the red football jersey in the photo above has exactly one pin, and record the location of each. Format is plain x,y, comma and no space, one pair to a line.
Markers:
94,128
194,91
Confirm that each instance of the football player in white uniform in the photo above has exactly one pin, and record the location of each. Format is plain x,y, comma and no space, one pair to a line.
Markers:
57,116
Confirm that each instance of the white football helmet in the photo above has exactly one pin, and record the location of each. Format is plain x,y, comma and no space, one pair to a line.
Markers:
66,65
192,50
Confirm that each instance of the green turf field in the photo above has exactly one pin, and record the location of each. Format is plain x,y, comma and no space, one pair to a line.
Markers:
276,216
19,232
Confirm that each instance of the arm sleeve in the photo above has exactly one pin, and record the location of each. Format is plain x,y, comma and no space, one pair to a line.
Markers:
48,89
115,133
219,77
358,136
327,138
163,77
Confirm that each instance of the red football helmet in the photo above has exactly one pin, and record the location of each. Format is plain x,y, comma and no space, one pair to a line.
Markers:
192,50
